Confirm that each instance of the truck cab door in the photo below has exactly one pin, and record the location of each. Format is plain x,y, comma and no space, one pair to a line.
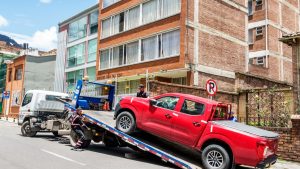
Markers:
25,107
189,122
158,118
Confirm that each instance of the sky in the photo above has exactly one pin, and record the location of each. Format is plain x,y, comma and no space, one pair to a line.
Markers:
36,21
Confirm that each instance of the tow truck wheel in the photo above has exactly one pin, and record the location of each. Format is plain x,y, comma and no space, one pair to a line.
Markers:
215,157
126,122
26,130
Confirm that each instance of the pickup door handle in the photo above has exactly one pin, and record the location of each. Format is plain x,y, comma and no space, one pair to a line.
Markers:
196,124
168,116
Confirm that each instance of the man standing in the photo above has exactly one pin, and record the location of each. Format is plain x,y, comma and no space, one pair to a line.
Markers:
141,92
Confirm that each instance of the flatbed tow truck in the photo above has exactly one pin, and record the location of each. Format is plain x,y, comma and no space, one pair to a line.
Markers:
103,123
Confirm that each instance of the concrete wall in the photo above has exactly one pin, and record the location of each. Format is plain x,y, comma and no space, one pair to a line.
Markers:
39,73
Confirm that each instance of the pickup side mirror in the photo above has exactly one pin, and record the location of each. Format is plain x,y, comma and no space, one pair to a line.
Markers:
153,102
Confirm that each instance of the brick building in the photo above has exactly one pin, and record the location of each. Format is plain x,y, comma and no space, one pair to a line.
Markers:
268,21
77,49
176,41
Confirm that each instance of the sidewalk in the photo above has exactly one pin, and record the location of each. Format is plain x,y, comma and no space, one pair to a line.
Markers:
10,120
281,164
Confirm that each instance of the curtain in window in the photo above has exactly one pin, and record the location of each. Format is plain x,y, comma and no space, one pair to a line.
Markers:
117,56
150,11
132,52
92,49
133,17
104,59
106,28
116,24
171,43
170,7
149,48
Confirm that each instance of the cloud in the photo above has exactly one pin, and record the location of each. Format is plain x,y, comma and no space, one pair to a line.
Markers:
46,1
43,40
3,21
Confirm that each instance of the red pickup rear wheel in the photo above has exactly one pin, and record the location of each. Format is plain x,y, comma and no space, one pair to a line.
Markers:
215,157
126,122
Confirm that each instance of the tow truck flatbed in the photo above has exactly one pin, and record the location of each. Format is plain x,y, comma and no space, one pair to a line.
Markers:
105,120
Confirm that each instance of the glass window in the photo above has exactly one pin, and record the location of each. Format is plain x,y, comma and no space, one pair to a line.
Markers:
91,72
104,59
18,74
118,23
149,48
71,77
106,26
107,3
27,99
92,50
76,55
132,52
192,108
149,11
250,7
94,22
170,7
117,59
168,102
52,97
77,29
171,43
250,36
133,17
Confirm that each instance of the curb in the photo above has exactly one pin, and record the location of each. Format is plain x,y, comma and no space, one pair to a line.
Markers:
14,121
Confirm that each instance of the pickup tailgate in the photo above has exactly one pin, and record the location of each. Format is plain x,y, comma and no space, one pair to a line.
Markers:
248,129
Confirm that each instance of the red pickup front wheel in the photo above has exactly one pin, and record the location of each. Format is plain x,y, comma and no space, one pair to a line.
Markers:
215,157
126,122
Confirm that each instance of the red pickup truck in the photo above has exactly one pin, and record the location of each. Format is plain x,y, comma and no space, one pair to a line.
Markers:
199,124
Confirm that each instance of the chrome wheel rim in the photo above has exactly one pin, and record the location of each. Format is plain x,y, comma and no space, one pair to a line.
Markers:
125,122
215,159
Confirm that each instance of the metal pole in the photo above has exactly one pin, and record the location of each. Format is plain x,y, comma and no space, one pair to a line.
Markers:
147,80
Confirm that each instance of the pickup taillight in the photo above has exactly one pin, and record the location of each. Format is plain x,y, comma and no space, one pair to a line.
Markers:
263,150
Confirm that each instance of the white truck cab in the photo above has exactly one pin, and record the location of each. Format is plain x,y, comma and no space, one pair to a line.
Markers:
36,101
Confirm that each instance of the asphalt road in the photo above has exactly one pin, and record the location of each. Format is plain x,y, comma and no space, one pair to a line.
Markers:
47,152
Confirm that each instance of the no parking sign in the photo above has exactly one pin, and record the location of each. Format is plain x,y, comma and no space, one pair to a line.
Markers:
211,87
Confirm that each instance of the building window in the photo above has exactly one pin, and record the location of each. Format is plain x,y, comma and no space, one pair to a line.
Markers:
127,87
250,36
170,7
145,13
155,47
18,74
132,52
107,3
104,59
259,31
91,73
170,44
149,11
259,2
73,77
94,22
76,55
250,7
92,50
179,80
77,29
133,17
149,48
106,28
259,61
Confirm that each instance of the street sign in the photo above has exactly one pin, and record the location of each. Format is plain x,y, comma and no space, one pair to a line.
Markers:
5,94
211,87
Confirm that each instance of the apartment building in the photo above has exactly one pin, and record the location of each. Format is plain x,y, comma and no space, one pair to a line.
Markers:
27,72
176,41
268,21
77,49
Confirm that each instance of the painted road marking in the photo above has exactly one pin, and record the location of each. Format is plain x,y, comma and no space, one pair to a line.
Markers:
63,157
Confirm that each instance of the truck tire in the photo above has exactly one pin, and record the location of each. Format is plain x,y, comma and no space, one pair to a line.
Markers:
74,138
126,122
26,131
110,140
215,157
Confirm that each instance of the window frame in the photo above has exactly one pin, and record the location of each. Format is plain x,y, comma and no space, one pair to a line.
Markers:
16,74
25,98
260,31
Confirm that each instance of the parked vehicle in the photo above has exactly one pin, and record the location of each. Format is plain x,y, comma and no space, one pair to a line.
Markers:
41,111
199,124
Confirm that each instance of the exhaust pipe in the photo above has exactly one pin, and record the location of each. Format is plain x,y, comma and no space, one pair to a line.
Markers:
64,132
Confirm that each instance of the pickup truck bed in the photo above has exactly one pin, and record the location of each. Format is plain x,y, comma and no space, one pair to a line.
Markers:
167,152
